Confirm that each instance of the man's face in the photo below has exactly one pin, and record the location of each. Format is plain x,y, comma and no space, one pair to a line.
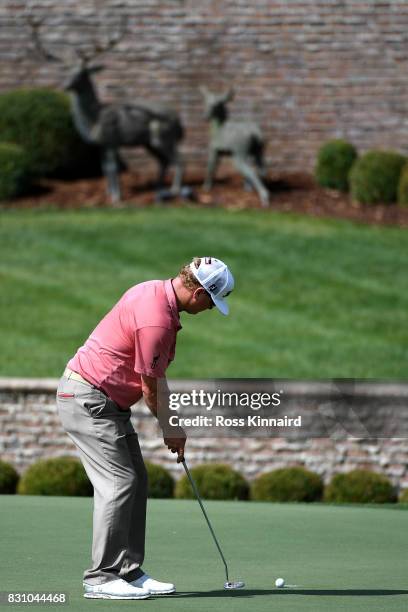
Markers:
200,300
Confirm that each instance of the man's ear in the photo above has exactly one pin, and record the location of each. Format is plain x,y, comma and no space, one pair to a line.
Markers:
198,291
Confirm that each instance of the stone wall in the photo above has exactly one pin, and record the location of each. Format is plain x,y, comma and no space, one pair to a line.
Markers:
30,430
305,70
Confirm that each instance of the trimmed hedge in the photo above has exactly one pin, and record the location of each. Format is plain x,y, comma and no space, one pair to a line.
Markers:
403,499
160,481
59,476
403,187
214,481
8,478
334,161
14,170
293,484
375,176
360,487
39,120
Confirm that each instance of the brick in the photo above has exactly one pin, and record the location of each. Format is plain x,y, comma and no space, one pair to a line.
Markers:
269,49
37,433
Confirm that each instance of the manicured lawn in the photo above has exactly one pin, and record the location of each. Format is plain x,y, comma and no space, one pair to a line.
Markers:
338,559
314,298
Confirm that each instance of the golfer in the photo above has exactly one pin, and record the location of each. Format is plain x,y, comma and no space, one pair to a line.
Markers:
119,364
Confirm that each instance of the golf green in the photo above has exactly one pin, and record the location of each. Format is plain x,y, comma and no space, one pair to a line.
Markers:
336,558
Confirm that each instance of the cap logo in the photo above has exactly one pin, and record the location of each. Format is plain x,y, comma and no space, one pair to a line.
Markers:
212,288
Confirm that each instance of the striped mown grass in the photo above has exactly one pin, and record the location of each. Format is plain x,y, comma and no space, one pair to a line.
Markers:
314,298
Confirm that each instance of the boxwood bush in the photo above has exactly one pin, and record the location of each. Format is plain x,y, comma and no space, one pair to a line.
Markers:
160,481
39,120
361,487
293,484
403,498
14,170
214,481
375,176
8,478
334,161
403,187
58,476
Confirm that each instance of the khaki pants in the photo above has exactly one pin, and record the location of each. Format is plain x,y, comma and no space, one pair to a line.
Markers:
109,450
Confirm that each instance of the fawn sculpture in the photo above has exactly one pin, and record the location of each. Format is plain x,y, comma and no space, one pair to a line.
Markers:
242,141
111,126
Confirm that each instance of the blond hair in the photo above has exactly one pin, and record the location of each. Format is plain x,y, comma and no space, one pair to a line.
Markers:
187,277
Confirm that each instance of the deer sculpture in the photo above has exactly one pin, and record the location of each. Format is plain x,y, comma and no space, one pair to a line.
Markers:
111,126
242,141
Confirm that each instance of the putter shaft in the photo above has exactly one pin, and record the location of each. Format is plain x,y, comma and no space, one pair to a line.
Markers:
194,487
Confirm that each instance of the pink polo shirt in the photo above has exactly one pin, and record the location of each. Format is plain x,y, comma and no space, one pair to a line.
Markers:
138,336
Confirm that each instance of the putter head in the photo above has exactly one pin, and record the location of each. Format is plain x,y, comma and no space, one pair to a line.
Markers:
234,584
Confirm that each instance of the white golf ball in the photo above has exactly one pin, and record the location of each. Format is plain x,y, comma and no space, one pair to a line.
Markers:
280,583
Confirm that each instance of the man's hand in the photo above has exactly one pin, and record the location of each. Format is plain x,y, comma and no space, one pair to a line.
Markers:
176,445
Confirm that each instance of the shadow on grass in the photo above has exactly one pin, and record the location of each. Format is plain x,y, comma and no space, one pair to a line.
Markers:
310,592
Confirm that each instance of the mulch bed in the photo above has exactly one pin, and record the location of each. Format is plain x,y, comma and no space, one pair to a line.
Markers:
289,192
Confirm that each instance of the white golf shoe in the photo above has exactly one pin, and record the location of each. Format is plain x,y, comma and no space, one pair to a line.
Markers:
154,587
115,589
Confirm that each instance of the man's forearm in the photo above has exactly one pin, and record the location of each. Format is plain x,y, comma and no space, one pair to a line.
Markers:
173,435
160,409
151,402
157,400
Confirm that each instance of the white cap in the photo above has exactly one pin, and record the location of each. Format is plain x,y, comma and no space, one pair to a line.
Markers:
214,275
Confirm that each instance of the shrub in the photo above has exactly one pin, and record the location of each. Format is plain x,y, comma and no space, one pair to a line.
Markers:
334,161
293,484
59,476
375,176
216,481
161,483
361,487
403,187
14,170
404,497
8,478
40,121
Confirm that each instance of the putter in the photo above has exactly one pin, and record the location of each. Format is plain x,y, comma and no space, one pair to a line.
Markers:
229,584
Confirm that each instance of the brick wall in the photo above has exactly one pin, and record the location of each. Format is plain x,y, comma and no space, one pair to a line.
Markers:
306,70
30,430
